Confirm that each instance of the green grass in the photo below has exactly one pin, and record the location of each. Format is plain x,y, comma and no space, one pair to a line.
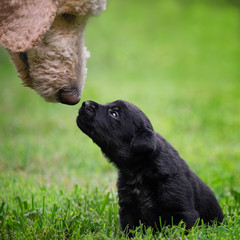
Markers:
179,62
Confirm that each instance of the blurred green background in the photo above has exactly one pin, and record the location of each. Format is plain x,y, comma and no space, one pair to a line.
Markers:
177,60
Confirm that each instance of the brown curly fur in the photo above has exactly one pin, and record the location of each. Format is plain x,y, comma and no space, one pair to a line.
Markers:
50,35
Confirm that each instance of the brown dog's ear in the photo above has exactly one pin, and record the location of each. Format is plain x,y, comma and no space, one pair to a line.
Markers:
24,22
145,140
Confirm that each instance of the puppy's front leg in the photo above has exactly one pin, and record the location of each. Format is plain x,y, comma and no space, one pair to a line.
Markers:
129,218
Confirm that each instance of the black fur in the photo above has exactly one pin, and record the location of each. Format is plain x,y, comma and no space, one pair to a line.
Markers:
153,180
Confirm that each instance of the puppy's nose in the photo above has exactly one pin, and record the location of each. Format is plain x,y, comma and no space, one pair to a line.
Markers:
89,105
68,97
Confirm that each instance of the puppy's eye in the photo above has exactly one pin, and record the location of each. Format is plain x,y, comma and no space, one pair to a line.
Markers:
113,113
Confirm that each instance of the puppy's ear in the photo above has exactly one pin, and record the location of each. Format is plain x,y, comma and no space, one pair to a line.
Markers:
144,141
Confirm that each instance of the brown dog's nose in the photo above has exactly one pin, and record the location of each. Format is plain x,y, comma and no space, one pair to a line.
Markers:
68,97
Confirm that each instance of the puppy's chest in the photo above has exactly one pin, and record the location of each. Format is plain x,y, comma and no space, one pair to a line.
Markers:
136,192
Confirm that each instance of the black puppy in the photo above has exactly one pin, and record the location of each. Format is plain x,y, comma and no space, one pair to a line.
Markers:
154,182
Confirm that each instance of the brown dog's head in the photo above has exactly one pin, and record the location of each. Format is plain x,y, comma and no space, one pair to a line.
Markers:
45,41
119,128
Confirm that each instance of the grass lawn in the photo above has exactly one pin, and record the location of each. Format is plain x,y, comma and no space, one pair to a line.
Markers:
176,60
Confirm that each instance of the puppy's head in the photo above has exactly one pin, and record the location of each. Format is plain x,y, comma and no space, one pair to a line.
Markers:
120,129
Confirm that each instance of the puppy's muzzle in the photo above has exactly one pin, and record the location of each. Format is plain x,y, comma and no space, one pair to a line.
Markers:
86,116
